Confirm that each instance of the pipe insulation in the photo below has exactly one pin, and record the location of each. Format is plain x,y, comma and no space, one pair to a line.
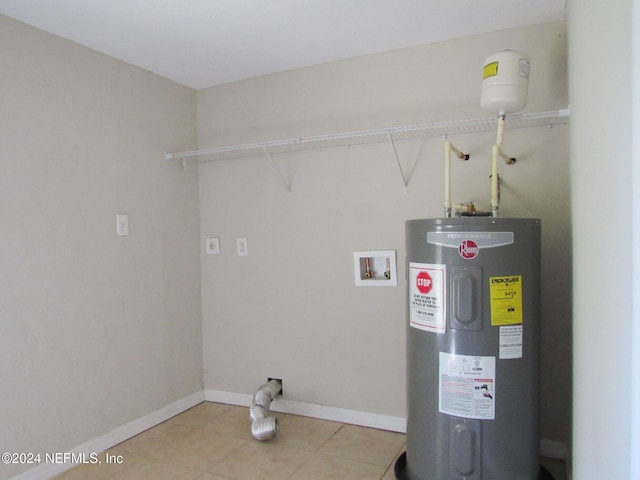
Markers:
264,427
495,152
448,148
447,179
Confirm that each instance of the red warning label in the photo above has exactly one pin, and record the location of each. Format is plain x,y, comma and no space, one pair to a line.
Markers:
424,283
427,297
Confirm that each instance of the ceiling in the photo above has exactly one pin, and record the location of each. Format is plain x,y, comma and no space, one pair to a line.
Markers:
203,43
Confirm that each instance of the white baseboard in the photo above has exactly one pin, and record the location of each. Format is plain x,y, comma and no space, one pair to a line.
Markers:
343,415
120,434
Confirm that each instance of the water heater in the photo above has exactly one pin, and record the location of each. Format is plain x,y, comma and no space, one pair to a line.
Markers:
472,350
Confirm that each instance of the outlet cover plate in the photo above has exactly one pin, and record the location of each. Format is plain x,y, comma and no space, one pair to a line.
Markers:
242,247
212,246
122,225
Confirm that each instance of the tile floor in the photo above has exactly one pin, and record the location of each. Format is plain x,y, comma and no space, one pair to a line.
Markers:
212,441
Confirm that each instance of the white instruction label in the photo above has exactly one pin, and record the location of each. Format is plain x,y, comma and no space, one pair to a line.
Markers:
427,294
511,342
467,386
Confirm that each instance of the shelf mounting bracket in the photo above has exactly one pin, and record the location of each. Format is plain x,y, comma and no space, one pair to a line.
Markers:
286,183
405,182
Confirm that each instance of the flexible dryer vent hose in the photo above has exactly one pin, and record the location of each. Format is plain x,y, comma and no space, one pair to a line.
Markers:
264,427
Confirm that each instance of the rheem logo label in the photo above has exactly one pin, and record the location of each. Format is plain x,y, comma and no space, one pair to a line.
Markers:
468,249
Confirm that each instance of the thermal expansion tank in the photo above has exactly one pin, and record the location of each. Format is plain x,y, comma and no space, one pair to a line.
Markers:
505,81
473,349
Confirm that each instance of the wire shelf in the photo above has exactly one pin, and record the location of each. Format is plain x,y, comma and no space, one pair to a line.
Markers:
371,137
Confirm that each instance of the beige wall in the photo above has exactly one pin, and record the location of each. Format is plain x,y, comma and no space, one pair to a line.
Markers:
95,330
290,309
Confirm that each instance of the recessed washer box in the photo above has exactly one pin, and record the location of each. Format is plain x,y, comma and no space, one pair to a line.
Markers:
375,268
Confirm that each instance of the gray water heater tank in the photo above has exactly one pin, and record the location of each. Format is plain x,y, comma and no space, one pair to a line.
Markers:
473,349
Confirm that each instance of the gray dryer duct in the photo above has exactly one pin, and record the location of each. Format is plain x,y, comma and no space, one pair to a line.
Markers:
264,427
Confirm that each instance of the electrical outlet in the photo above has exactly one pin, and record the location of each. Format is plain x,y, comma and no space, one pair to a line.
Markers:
243,247
122,225
212,246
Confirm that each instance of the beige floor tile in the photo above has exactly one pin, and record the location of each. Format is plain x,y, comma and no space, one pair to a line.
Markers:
200,415
323,467
364,444
153,439
148,469
211,476
107,466
261,461
303,432
390,475
213,442
81,473
234,421
199,449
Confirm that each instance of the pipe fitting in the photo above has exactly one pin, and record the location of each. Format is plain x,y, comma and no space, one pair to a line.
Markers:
264,427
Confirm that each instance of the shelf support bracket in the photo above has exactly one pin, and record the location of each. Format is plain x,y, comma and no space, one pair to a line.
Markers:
275,165
405,182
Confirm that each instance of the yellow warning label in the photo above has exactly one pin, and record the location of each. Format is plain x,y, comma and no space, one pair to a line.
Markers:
506,300
490,70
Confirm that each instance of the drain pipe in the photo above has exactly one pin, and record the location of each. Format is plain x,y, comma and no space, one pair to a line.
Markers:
264,427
